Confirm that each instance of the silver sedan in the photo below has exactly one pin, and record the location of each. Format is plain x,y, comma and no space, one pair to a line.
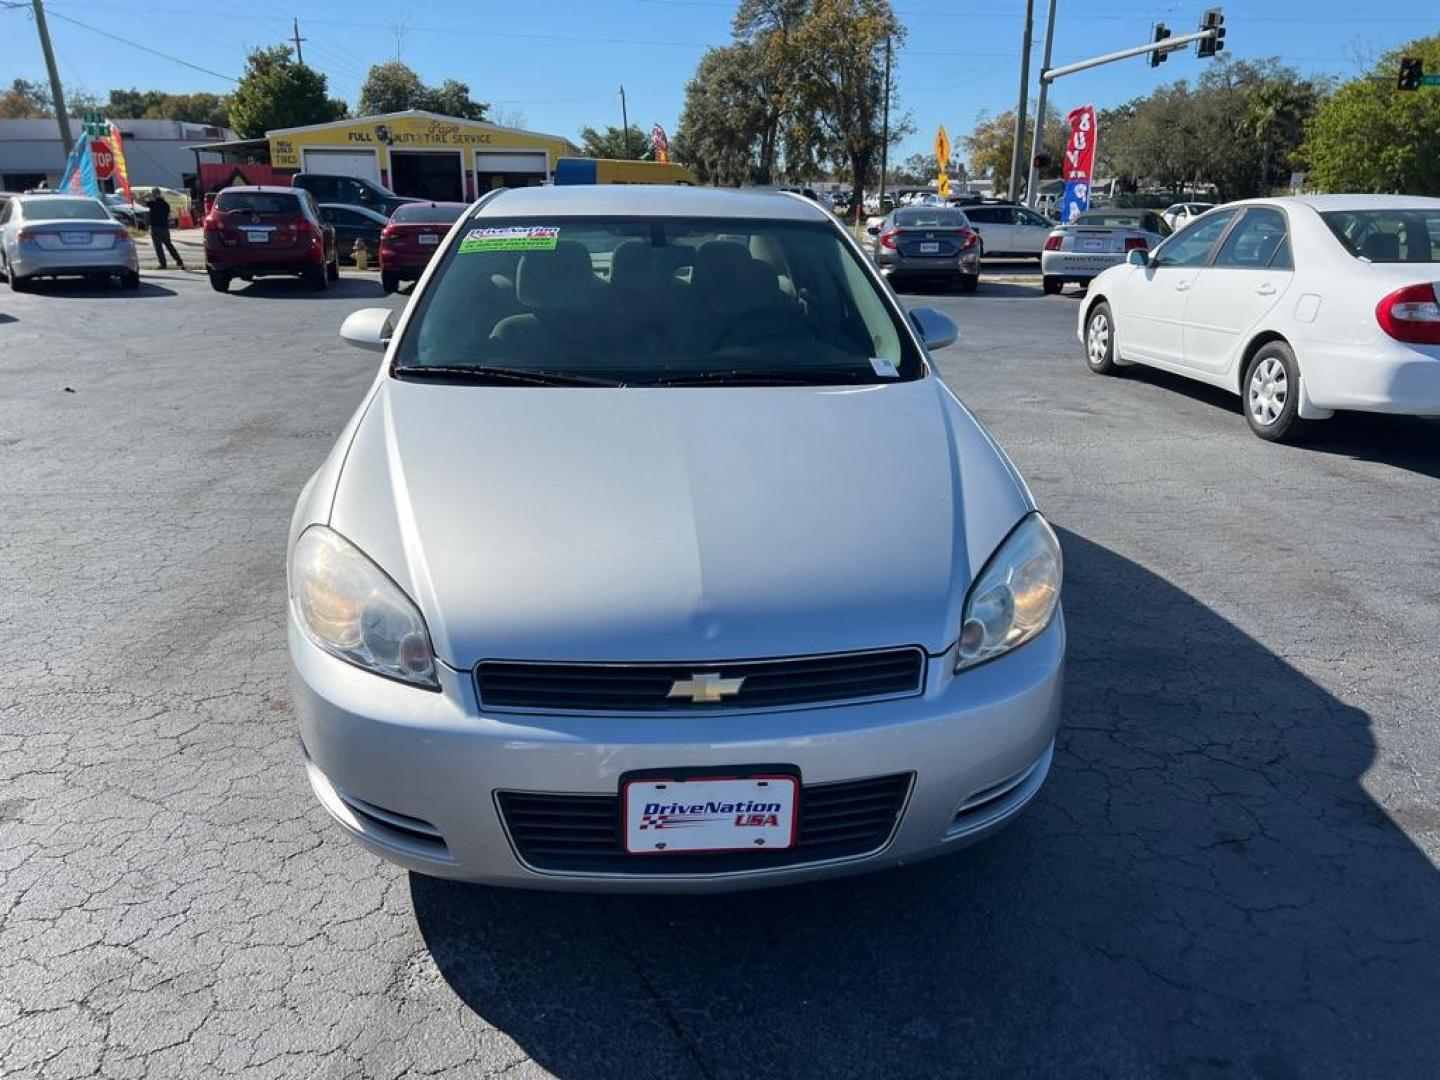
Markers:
64,236
1095,241
658,557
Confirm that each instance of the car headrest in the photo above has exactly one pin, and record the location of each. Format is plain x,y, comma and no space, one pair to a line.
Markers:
633,268
727,279
563,278
1381,247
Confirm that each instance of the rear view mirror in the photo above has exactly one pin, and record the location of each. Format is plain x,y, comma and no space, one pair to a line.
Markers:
368,328
873,230
1136,257
937,330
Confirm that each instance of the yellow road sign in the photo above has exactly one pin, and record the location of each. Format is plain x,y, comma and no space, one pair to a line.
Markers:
942,148
943,186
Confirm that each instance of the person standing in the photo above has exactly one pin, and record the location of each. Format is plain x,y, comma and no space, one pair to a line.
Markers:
160,228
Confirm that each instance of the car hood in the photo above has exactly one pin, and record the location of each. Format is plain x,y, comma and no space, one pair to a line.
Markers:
669,524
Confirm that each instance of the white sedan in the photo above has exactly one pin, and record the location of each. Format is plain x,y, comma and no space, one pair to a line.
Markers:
1300,305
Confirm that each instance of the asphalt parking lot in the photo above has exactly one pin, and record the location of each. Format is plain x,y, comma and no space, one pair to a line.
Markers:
1232,871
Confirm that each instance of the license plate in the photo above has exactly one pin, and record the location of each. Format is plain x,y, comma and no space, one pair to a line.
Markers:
929,249
753,814
429,238
1092,245
74,237
257,236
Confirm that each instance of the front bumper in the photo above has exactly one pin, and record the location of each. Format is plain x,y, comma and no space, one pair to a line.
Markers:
1077,266
432,763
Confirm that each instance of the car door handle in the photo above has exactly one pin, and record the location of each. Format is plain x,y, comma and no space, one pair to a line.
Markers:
1266,289
1182,286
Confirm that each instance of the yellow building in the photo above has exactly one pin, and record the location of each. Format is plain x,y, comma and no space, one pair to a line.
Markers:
421,153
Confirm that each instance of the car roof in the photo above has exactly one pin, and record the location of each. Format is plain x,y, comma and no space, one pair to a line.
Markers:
652,200
42,196
268,189
1348,202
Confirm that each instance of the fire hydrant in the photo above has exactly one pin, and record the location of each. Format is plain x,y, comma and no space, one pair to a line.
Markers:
362,255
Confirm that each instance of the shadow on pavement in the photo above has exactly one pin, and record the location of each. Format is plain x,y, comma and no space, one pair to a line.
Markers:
270,288
80,289
1203,889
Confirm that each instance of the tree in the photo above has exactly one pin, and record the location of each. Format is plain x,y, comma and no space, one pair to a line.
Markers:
991,143
1369,136
198,108
722,117
25,101
276,92
919,170
632,145
395,87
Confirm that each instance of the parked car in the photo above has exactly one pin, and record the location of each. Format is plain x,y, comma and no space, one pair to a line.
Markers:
411,238
350,191
353,223
1300,305
1095,241
127,213
658,557
928,241
1179,215
1007,229
264,230
50,236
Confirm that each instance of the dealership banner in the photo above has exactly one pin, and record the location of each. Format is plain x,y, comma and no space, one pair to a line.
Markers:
660,143
122,171
1078,168
79,177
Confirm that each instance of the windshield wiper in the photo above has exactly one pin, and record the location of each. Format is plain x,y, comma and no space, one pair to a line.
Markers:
766,377
482,374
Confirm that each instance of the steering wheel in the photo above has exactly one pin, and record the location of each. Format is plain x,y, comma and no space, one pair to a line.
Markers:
760,325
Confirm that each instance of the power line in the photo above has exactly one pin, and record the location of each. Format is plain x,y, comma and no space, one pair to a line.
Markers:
143,48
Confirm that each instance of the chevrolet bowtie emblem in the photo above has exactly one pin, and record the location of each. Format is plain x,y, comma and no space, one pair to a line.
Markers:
707,686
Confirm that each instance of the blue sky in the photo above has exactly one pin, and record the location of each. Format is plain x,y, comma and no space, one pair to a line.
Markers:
559,63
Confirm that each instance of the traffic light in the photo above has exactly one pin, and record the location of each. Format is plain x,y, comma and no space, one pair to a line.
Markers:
1412,73
1213,19
1156,56
1041,161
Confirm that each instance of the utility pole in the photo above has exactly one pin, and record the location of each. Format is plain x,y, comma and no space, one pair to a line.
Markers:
57,94
1021,115
624,121
1031,192
885,130
299,56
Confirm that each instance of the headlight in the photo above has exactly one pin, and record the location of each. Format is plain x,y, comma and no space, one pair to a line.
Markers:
1015,595
351,609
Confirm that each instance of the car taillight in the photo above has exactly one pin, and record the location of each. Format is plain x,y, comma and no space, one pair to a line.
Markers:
887,239
1411,314
1052,243
1136,243
968,238
212,220
387,233
304,228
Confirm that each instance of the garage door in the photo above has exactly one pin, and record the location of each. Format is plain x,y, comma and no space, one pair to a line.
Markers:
343,163
516,168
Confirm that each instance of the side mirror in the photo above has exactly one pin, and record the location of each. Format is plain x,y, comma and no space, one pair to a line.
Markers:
1136,257
872,230
368,328
937,330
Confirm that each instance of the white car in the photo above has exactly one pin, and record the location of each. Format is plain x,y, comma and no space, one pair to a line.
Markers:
1182,213
1300,305
1006,229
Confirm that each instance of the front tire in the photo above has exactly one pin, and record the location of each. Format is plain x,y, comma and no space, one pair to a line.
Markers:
1051,286
1100,340
1272,393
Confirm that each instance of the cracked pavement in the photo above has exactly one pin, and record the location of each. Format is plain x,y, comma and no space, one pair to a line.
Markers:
1232,871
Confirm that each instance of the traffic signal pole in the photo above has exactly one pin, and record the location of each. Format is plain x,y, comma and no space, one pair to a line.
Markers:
1049,75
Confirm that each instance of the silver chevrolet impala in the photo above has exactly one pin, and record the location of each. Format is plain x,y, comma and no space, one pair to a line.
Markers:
658,557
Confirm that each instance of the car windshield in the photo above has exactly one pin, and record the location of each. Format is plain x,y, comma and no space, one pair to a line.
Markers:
421,214
256,202
51,209
656,301
930,217
1388,236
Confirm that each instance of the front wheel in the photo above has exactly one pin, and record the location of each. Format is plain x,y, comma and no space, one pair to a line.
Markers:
1051,286
1100,340
1272,393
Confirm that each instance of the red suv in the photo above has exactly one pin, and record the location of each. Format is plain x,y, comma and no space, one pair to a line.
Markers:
253,231
411,239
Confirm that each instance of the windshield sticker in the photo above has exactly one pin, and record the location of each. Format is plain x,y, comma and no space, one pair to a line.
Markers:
884,368
511,238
